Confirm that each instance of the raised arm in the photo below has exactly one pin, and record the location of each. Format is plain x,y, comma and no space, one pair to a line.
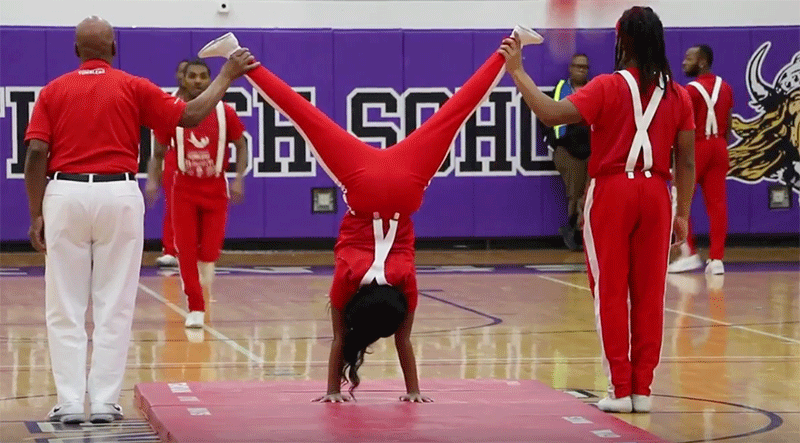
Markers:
237,65
547,110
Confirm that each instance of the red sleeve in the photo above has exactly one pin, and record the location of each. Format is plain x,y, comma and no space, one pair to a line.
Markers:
686,118
234,125
158,110
164,137
589,99
39,126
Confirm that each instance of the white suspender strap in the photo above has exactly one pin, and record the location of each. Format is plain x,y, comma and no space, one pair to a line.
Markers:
221,139
641,141
179,136
711,118
383,244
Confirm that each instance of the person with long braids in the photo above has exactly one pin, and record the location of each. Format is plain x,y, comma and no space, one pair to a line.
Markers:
374,288
636,115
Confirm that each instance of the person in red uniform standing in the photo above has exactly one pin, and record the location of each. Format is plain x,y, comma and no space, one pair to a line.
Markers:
374,288
712,99
200,189
169,255
89,218
636,114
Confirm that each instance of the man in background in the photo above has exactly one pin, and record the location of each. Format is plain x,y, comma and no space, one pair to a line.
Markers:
570,145
712,100
170,255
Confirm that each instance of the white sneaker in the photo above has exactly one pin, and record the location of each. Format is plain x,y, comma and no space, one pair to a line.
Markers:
222,46
67,413
195,319
167,260
641,403
611,404
715,267
685,263
527,36
105,413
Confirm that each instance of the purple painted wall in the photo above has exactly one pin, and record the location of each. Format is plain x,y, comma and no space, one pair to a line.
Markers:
500,191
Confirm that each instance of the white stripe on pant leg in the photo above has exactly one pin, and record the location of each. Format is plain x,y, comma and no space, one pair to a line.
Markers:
67,285
591,254
118,241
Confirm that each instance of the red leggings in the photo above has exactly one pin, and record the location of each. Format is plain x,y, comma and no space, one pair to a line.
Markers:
167,180
199,222
627,226
711,158
386,181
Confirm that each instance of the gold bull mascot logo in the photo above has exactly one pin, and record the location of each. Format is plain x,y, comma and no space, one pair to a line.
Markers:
768,147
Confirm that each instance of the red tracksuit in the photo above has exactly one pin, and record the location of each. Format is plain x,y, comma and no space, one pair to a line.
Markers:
628,218
711,158
382,188
167,179
200,194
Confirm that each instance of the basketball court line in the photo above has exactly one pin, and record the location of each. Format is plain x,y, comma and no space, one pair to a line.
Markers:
695,316
252,357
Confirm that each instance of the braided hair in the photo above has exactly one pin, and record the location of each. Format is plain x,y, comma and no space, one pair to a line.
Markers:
640,36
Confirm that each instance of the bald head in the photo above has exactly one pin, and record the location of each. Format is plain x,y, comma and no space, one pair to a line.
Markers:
94,39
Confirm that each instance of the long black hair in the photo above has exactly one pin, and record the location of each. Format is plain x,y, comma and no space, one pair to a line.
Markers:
640,36
375,311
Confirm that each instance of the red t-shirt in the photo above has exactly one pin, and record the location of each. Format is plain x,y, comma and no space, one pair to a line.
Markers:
722,108
605,104
200,146
91,118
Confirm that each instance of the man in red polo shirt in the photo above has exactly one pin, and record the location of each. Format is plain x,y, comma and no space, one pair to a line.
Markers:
170,165
712,99
636,115
84,135
199,199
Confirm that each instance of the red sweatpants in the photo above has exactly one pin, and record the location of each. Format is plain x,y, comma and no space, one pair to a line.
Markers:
199,220
627,229
711,160
167,179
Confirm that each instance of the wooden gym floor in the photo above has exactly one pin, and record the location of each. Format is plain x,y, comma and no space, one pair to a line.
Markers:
730,369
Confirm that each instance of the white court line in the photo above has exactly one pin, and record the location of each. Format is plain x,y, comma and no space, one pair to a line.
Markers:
254,358
699,317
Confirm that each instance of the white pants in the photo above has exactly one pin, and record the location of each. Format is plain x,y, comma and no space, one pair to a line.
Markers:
94,236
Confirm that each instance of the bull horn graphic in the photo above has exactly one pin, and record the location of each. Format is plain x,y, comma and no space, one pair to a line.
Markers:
758,88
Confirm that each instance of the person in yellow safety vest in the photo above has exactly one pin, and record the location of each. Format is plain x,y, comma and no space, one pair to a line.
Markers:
570,144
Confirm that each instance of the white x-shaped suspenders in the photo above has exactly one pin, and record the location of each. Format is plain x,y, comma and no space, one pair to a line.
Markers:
383,244
641,141
711,117
221,123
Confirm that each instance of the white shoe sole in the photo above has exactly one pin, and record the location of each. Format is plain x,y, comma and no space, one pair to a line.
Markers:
527,36
222,46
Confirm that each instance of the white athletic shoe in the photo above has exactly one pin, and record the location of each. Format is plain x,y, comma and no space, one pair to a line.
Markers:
67,413
195,319
715,267
105,413
222,46
167,260
611,404
685,263
641,403
527,36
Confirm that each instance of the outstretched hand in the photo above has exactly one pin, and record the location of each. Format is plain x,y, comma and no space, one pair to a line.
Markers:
239,63
511,50
333,398
416,397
